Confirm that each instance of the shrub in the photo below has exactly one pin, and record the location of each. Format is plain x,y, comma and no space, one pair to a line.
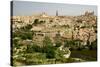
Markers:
50,52
36,21
59,55
42,22
47,41
26,35
51,20
33,48
58,44
48,48
28,26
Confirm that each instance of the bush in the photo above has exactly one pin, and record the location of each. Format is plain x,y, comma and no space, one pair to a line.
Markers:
51,20
26,35
48,48
33,48
93,45
50,52
47,41
58,44
28,27
24,32
42,22
59,55
36,21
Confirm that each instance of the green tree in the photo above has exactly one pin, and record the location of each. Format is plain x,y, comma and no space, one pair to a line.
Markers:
47,41
93,45
50,52
48,48
58,40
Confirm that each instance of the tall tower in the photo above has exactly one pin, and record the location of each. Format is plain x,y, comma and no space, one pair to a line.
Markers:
56,13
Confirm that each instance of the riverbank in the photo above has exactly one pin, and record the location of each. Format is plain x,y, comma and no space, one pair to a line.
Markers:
88,55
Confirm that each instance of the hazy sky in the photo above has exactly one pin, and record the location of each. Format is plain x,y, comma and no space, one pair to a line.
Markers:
31,8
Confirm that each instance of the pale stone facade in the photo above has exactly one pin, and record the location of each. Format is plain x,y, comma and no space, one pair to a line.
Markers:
65,24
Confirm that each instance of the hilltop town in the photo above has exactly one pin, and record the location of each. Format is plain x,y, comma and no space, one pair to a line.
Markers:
81,27
44,39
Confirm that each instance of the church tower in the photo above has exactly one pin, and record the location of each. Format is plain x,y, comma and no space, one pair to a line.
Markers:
56,13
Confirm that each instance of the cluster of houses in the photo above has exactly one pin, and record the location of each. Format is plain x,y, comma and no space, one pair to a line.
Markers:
81,27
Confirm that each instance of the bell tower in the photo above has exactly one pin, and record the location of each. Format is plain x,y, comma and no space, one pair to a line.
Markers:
56,13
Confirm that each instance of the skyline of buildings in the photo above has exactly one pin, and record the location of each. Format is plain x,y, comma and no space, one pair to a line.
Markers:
23,8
